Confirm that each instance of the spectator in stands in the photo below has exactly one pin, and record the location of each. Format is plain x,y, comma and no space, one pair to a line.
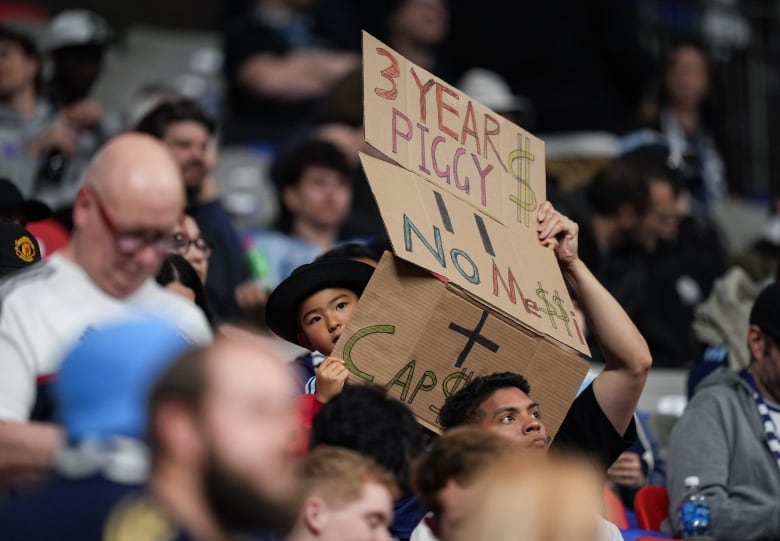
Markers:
728,436
191,245
14,208
178,276
361,419
308,363
75,42
600,423
316,194
26,129
120,238
683,257
100,397
458,477
221,423
417,29
683,120
188,133
346,497
18,248
277,68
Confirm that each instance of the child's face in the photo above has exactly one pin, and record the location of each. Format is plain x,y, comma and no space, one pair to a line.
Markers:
323,316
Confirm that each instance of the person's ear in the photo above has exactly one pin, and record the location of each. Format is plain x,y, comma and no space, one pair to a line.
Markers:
80,209
433,523
304,341
756,342
314,514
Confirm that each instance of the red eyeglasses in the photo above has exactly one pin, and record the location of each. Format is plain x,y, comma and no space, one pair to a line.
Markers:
129,242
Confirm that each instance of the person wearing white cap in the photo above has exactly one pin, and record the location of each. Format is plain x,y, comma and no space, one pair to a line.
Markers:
74,43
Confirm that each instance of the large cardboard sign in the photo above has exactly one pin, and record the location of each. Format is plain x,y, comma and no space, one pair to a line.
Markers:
463,206
423,339
439,232
435,130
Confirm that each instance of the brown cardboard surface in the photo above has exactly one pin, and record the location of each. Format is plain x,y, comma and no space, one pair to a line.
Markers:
435,130
423,339
512,272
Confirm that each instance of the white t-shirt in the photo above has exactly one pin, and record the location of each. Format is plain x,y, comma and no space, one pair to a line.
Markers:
45,310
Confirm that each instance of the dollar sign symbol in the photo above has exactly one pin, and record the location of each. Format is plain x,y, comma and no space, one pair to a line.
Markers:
520,168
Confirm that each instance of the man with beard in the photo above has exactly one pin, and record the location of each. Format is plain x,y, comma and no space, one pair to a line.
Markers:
188,132
221,423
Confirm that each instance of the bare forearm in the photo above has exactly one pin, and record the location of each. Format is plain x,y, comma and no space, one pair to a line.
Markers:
26,449
627,357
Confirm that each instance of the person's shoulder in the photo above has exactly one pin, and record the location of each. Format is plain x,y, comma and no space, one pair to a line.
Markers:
30,280
179,310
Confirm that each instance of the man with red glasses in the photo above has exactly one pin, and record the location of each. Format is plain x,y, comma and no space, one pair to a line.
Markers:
124,218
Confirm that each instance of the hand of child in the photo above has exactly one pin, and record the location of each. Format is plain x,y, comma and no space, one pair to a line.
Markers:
330,379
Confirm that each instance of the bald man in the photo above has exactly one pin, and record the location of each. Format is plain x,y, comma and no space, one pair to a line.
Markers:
124,217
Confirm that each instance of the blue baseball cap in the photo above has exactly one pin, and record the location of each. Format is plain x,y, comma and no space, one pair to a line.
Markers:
104,381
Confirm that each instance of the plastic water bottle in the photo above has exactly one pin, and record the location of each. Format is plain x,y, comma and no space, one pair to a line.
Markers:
693,514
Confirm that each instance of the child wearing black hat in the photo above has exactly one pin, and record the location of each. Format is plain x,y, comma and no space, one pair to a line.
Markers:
311,308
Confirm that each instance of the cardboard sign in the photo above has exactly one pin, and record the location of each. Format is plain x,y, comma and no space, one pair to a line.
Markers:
511,272
435,130
423,339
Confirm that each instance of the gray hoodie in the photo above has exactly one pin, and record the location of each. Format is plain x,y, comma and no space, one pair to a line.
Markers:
720,439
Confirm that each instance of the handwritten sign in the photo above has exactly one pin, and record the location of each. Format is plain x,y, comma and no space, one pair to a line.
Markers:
435,130
423,340
513,273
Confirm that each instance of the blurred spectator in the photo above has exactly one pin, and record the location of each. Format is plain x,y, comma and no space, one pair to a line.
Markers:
346,496
727,436
417,29
340,122
221,423
683,120
188,133
18,248
683,258
609,211
24,116
100,397
14,208
721,321
120,238
277,67
145,98
559,500
461,472
75,42
193,247
578,62
178,276
360,418
316,195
